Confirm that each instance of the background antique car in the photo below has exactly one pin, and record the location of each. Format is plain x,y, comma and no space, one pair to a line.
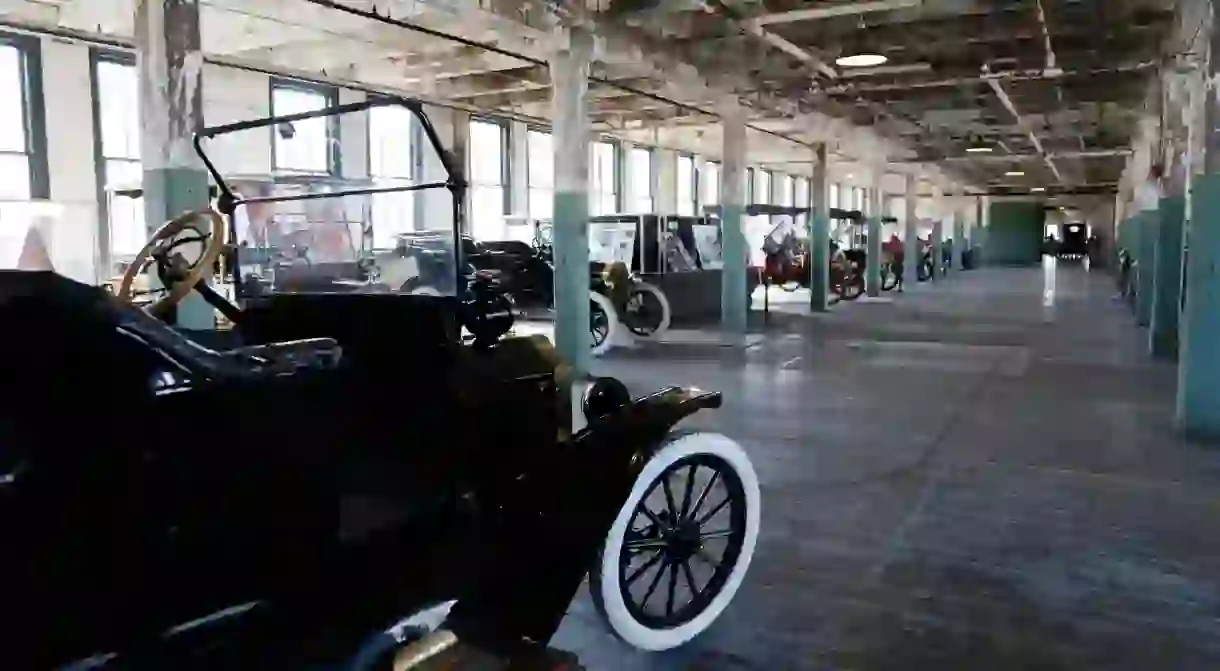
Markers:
346,462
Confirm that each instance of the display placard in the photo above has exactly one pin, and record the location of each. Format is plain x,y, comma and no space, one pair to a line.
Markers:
708,242
611,242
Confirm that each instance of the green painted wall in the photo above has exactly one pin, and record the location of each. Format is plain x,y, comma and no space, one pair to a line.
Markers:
1014,236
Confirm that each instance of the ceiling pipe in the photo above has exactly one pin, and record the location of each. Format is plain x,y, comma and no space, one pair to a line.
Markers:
846,9
750,27
1012,109
1000,158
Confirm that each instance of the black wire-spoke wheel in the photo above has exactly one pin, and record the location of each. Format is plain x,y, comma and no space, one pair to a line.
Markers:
682,541
647,312
681,544
852,287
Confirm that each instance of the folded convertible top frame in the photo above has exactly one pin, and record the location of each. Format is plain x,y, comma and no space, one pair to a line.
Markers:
455,181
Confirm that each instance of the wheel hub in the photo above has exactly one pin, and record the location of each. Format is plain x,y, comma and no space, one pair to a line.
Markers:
683,541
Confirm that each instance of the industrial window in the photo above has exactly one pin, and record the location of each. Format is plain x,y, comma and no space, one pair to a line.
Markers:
833,196
711,183
762,187
800,192
14,135
541,174
303,147
118,104
687,181
391,163
639,175
487,168
603,184
784,194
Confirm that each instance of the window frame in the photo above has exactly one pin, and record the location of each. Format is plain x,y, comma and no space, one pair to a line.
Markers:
506,144
414,163
703,193
652,179
693,183
617,173
97,56
334,162
33,109
529,185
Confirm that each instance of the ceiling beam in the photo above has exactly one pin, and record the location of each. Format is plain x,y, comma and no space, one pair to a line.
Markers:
842,9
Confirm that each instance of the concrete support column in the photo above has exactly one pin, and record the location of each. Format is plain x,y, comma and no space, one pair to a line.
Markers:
569,67
872,272
819,233
733,296
170,63
910,232
1198,403
1149,223
938,224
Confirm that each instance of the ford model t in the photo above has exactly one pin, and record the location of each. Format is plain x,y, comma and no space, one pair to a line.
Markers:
295,497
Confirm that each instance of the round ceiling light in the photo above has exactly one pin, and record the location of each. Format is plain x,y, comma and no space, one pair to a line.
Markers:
860,60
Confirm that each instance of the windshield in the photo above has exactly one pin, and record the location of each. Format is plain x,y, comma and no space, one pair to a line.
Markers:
303,228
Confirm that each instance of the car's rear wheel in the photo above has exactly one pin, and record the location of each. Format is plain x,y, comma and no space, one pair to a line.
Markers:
603,323
681,543
648,312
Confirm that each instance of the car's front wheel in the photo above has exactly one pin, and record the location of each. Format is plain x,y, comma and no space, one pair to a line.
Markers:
603,324
681,543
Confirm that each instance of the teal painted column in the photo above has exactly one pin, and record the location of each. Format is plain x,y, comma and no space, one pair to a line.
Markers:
910,232
978,240
872,269
734,301
569,67
170,63
819,233
1198,406
1147,266
959,237
1167,291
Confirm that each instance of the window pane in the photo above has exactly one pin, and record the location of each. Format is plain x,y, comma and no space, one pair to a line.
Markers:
639,168
12,115
14,177
785,190
686,185
128,232
541,203
390,142
834,195
762,187
541,162
486,154
308,147
119,110
711,184
393,213
602,195
487,212
800,194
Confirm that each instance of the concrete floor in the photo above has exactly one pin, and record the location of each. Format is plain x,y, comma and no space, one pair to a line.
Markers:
976,475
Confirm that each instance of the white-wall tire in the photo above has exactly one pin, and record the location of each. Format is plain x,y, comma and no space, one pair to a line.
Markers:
667,312
613,325
606,582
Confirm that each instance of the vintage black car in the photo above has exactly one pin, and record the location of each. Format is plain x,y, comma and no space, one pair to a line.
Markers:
297,498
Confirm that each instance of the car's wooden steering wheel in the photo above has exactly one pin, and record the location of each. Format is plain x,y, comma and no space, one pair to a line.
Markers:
167,232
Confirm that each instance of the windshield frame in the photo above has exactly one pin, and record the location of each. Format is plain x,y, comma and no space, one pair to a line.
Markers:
228,201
